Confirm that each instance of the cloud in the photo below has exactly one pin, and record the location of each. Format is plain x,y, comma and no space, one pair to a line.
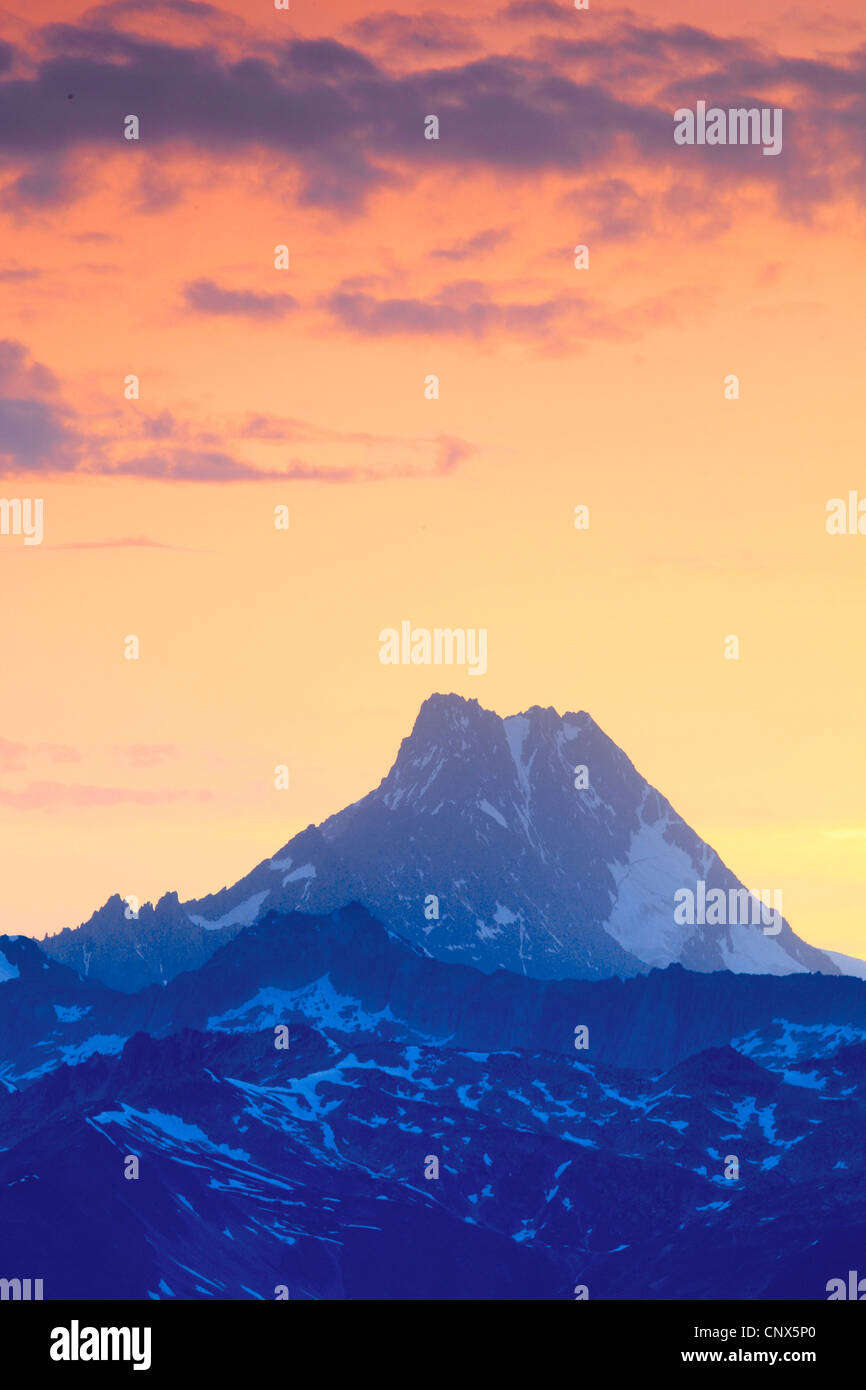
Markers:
41,435
33,436
468,309
190,465
185,9
161,426
533,11
446,452
14,757
349,125
156,191
477,245
291,430
609,208
452,452
464,309
11,274
21,375
37,431
315,102
55,796
206,297
45,183
215,466
121,543
431,32
18,757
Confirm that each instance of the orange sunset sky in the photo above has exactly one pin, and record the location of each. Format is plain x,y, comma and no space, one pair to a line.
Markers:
305,387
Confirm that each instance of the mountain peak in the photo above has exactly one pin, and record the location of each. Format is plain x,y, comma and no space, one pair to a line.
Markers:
529,843
446,714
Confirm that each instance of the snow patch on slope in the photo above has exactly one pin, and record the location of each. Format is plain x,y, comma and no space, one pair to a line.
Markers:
241,916
8,971
642,919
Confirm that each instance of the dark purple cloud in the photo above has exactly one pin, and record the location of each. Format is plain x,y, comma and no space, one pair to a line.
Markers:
44,183
315,102
11,274
326,60
537,11
123,9
188,465
466,309
469,247
162,426
348,125
37,431
21,374
656,46
431,32
469,310
206,297
33,434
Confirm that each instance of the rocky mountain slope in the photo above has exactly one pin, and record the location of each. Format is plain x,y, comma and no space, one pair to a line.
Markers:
479,847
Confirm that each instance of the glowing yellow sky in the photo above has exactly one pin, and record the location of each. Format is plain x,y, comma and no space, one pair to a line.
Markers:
260,647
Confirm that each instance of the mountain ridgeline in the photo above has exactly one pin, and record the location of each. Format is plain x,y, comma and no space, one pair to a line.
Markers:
323,1107
479,847
347,972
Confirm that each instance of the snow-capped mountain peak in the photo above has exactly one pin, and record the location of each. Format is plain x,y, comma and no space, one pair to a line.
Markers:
529,843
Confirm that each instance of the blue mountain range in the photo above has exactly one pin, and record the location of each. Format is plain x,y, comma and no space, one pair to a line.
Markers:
310,1086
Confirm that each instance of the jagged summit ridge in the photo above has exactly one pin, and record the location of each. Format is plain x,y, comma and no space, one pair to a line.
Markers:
529,843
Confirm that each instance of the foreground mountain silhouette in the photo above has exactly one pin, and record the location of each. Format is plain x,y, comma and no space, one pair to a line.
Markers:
304,1165
528,873
349,974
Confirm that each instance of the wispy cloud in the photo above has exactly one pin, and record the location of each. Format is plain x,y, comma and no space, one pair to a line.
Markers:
134,444
57,796
206,297
14,757
10,275
120,543
467,249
